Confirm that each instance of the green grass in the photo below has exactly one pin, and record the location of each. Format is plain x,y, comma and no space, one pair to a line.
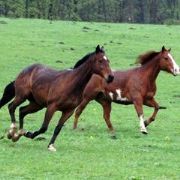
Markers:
90,153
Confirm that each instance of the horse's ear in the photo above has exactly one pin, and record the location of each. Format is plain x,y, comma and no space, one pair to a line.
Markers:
169,49
102,48
163,49
98,49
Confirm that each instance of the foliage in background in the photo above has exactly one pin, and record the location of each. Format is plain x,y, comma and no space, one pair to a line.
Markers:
136,11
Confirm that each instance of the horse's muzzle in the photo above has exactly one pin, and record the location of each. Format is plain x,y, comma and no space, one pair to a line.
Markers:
176,71
110,78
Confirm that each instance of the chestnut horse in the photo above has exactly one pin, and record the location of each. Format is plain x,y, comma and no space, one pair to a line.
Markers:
55,90
134,86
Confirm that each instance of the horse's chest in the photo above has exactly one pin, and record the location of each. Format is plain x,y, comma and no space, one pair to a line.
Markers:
151,90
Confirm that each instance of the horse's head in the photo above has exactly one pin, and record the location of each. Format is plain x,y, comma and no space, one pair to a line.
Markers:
167,63
101,64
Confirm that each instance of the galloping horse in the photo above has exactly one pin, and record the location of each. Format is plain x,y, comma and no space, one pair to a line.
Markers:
55,90
134,86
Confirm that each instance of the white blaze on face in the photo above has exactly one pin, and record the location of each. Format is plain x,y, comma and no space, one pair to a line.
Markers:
111,95
175,66
119,97
104,57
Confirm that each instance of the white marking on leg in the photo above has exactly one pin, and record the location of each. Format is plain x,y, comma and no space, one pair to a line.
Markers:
119,97
52,148
13,125
142,125
111,95
176,69
21,132
11,131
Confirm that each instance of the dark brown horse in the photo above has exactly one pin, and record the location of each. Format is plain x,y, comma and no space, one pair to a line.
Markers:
135,86
55,90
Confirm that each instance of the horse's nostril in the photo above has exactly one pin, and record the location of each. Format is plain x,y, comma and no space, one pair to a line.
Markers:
110,78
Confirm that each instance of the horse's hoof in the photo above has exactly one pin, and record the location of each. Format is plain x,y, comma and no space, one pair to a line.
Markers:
9,135
22,132
16,137
143,131
51,148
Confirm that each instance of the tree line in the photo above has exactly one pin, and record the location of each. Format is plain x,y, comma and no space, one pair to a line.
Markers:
136,11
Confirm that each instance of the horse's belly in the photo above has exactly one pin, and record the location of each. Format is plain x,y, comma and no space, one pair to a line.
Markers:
40,97
126,102
68,103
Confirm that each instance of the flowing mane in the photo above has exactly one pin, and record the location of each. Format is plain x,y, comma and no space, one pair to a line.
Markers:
144,58
86,57
81,61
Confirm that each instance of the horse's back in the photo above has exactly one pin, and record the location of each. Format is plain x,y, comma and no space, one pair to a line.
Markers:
30,75
28,70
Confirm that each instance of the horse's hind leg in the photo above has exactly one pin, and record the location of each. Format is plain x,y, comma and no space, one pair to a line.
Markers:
12,107
48,116
152,103
92,89
65,115
32,107
79,110
139,109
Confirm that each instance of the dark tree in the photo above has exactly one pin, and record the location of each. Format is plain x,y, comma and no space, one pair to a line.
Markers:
136,11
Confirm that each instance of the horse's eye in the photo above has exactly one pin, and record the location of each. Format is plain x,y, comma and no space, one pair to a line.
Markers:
166,58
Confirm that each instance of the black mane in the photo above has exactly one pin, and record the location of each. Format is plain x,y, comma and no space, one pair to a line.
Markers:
85,58
81,61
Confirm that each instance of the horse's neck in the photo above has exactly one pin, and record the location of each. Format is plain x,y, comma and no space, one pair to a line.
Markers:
83,74
151,69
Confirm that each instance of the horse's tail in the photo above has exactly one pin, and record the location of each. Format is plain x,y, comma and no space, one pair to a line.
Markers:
8,95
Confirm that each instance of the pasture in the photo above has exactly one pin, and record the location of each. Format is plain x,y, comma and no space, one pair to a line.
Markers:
89,152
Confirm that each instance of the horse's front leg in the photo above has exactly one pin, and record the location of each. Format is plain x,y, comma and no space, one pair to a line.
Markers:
65,115
90,92
139,109
48,116
106,114
151,103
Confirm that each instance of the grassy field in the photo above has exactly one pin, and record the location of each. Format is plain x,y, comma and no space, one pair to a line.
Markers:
89,152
